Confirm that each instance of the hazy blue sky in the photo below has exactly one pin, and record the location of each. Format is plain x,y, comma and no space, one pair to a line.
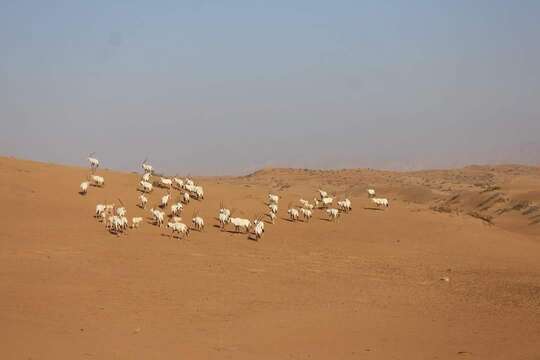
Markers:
219,87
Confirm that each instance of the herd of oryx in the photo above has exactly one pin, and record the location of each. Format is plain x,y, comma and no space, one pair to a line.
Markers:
116,221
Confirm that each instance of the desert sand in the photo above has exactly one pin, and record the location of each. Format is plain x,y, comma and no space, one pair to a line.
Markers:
451,270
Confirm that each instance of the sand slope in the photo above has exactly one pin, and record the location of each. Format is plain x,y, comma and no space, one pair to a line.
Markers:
366,287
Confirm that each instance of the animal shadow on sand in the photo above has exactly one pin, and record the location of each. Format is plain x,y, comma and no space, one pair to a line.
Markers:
233,231
177,237
252,237
373,208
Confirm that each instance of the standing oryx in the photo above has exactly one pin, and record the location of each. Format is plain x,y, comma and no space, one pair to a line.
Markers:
165,183
146,186
178,183
307,214
272,216
94,163
293,213
381,202
273,199
159,217
165,200
322,194
147,167
143,201
327,201
98,180
240,223
223,216
306,204
84,187
273,208
198,221
332,214
185,197
345,205
178,227
146,177
258,227
176,209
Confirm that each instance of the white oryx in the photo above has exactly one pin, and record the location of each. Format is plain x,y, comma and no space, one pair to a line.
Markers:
381,202
146,177
178,227
345,205
223,216
272,217
239,223
273,199
164,200
224,219
176,208
165,182
198,222
125,223
178,182
324,203
332,213
100,209
159,217
327,201
94,163
84,187
273,208
322,194
147,167
224,210
113,224
117,224
189,188
188,182
186,198
146,186
121,211
306,213
198,191
136,221
293,214
259,228
306,204
98,180
143,201
109,208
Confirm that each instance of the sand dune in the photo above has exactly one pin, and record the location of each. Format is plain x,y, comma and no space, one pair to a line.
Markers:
366,287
